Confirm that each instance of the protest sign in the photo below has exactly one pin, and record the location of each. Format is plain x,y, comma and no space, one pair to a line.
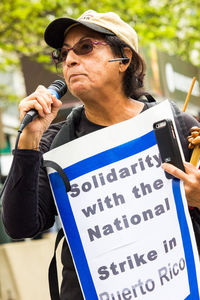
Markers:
127,226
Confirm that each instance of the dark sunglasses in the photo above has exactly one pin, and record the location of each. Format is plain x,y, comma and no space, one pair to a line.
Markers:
81,48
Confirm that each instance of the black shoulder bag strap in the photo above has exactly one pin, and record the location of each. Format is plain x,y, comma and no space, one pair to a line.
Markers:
53,274
181,127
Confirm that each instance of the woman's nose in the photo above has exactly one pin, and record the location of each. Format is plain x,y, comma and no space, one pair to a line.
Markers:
71,59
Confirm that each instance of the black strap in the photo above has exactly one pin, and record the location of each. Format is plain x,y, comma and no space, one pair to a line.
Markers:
68,131
55,166
53,275
149,97
195,216
181,121
182,130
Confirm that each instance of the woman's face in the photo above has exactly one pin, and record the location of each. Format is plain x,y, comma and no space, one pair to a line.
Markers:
90,75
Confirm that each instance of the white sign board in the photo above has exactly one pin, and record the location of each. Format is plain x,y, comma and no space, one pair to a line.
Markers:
128,226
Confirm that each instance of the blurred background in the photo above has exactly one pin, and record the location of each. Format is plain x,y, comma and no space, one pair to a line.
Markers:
168,32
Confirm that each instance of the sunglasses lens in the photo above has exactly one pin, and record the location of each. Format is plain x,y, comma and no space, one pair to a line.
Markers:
63,54
83,47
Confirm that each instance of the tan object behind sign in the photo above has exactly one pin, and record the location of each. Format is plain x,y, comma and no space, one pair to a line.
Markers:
196,142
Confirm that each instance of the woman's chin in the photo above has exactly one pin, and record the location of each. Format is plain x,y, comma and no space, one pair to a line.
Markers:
77,89
78,92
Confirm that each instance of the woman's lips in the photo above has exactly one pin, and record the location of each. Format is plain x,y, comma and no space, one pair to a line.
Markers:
75,75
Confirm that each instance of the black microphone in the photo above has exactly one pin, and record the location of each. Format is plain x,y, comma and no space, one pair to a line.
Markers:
58,88
123,60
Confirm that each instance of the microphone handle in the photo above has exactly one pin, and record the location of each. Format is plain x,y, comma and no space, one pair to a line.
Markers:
32,114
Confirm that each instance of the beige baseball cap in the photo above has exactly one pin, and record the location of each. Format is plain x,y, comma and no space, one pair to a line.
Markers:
107,23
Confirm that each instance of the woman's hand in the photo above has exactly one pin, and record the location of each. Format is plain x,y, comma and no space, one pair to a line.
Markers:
191,179
47,106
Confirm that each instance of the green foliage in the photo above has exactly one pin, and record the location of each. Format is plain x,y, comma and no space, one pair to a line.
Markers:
173,25
7,96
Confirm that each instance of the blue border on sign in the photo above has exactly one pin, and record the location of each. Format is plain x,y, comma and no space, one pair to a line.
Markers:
187,245
93,163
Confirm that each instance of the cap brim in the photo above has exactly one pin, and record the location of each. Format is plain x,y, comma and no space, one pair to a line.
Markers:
54,33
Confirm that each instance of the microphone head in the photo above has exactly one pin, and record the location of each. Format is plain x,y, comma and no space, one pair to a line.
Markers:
59,86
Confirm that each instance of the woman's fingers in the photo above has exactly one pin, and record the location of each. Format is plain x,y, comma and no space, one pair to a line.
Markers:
171,169
191,179
41,100
190,171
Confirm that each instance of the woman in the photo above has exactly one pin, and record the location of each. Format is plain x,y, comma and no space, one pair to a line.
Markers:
101,67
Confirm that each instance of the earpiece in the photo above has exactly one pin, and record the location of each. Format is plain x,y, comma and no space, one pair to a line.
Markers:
123,60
